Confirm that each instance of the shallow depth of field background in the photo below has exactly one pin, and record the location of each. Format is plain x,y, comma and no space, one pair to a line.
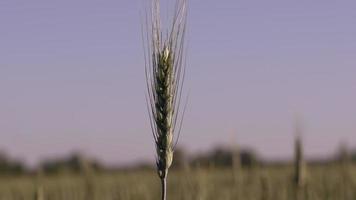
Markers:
260,76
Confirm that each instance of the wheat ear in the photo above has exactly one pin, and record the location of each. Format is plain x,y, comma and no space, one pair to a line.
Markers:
165,69
299,162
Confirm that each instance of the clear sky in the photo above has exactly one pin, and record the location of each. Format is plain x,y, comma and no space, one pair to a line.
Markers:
72,77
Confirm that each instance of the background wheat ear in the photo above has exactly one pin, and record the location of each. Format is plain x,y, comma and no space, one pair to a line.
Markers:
39,193
299,162
165,69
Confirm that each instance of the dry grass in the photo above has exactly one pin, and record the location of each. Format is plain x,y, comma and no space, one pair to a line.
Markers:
268,183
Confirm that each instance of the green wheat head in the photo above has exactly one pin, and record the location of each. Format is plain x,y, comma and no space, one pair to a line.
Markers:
165,70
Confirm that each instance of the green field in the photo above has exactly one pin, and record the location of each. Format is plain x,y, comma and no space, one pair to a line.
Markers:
274,183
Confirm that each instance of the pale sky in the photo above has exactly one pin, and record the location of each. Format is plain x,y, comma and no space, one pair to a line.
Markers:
72,77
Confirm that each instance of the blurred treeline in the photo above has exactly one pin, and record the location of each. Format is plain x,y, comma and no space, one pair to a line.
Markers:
218,157
246,158
73,163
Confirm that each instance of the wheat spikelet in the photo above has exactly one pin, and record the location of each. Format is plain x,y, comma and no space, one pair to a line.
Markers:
165,70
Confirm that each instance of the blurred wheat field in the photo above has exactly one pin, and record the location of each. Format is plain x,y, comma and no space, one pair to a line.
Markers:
263,183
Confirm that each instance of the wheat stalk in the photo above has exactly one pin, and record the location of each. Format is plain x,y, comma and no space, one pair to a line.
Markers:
165,69
39,193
